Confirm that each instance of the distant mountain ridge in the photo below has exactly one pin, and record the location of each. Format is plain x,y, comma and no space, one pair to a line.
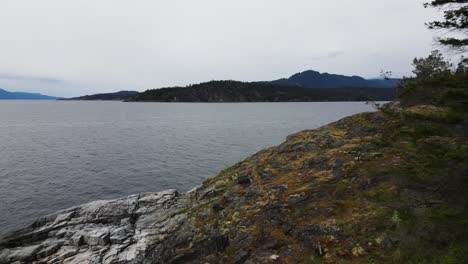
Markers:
304,86
6,95
315,79
118,96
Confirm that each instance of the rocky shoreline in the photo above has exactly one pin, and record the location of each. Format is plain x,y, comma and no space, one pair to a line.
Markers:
140,228
349,192
114,231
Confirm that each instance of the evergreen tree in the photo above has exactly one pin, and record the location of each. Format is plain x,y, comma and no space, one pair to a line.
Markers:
455,20
462,68
433,65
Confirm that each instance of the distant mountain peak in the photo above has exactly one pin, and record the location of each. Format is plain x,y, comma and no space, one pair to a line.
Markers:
315,79
310,72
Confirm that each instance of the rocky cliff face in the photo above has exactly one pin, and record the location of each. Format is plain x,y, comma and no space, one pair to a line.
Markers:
371,188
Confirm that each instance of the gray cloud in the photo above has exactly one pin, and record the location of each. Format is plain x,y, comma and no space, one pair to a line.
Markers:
107,45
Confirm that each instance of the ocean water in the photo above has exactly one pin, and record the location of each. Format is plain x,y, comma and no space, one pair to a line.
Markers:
57,154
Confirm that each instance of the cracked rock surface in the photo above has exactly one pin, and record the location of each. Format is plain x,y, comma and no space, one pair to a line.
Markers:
114,231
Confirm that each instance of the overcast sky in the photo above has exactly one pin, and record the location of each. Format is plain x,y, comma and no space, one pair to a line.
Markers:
76,47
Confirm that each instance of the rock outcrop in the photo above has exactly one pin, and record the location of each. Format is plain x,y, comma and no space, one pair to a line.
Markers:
116,231
371,188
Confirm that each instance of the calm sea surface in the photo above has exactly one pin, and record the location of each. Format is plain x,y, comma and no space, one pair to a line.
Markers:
57,154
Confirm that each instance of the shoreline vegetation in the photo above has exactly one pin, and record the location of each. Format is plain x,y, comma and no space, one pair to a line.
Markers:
234,91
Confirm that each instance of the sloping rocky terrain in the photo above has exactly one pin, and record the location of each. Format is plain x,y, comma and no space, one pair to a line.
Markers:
380,187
